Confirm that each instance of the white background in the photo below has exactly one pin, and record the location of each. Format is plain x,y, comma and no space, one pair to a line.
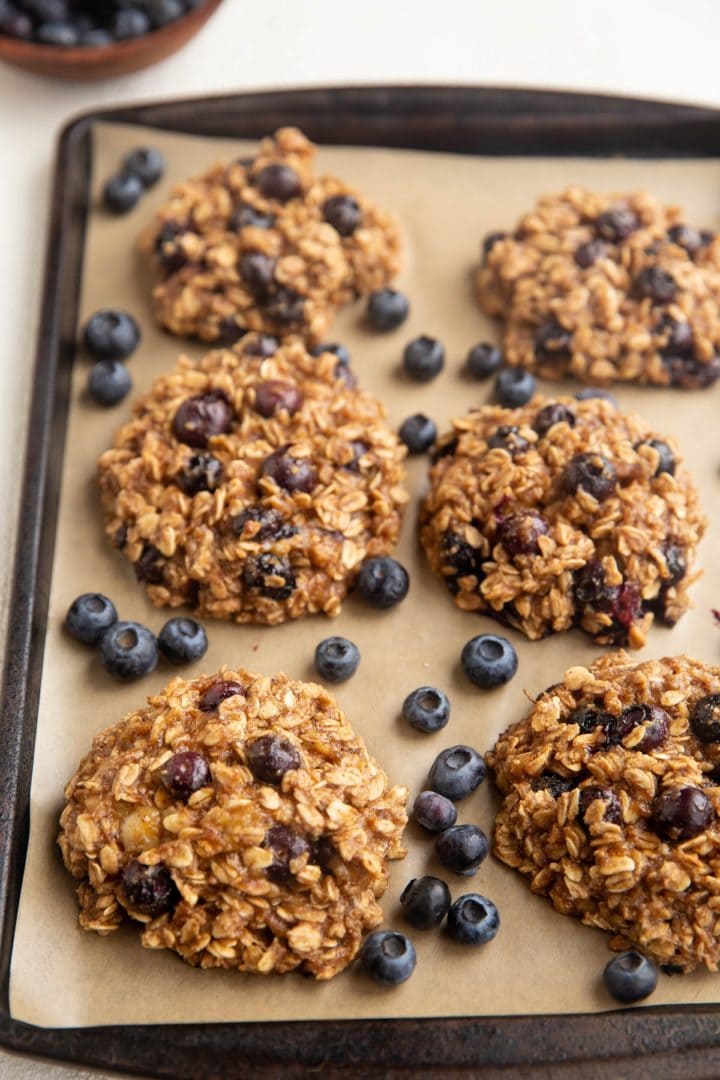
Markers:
650,48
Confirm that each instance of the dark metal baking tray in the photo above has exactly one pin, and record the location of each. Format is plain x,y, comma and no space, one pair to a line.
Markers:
666,1042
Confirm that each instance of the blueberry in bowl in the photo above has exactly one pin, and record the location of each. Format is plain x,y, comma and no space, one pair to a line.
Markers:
76,39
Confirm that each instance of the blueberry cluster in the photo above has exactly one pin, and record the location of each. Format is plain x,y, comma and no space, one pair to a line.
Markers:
128,650
88,23
110,337
139,170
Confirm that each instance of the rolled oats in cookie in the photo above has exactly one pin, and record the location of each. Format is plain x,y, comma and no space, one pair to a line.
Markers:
264,244
606,288
563,513
611,802
240,820
252,487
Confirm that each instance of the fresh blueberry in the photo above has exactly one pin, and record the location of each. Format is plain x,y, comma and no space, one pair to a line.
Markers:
45,9
434,812
182,640
483,360
89,616
383,582
336,659
426,709
387,309
334,347
122,192
423,358
128,650
149,889
514,386
111,335
163,12
15,24
489,660
270,757
59,33
473,920
425,902
131,22
456,772
109,382
145,163
630,977
96,38
185,773
589,392
388,957
418,433
462,848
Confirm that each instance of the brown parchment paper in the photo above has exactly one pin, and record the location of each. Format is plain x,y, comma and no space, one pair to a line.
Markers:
541,962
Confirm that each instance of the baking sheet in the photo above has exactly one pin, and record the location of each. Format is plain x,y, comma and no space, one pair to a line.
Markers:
541,962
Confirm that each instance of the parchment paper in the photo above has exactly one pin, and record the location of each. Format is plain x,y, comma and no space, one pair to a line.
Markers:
541,962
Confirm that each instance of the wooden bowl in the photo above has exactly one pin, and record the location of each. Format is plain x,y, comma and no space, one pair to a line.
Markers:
107,61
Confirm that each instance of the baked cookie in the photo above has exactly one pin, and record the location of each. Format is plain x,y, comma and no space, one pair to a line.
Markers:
606,288
263,244
563,513
611,803
252,486
241,820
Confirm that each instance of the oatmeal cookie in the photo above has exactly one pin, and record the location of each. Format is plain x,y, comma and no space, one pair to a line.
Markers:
252,486
263,244
606,288
241,820
611,803
563,513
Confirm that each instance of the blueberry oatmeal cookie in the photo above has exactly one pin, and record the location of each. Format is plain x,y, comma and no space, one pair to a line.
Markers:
606,288
253,484
611,803
264,244
563,513
241,820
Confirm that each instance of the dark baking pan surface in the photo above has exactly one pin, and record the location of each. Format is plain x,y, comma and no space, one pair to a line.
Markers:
669,1042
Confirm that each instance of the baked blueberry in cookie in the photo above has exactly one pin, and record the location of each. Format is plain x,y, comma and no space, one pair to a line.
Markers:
606,288
563,513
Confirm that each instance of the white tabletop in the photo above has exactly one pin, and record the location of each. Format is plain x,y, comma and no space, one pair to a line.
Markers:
650,48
